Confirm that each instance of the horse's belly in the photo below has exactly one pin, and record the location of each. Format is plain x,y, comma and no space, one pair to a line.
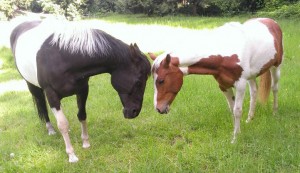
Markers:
28,44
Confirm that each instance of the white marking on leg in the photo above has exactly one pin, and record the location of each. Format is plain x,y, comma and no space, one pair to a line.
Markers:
50,129
84,135
63,126
237,110
275,78
253,94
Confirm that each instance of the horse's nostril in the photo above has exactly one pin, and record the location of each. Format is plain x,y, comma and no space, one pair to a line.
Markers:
158,110
134,111
162,111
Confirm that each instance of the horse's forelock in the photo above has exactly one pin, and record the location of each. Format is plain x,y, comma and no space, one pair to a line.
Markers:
158,60
143,65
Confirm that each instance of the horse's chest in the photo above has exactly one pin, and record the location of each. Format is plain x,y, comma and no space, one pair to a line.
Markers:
28,44
226,79
228,73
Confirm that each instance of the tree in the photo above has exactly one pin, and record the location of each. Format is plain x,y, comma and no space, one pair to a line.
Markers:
6,9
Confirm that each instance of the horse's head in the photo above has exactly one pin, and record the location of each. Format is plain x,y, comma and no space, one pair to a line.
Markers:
129,80
168,79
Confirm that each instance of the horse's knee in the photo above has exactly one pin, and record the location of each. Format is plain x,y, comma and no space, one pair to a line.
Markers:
237,112
81,116
63,126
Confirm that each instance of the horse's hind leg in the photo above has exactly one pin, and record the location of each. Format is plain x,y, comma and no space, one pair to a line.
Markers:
81,102
253,95
40,101
275,72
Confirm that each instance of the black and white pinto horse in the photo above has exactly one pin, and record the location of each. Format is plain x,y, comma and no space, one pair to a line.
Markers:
57,58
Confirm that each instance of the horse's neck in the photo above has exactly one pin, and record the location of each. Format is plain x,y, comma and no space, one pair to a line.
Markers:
212,65
225,70
204,66
96,65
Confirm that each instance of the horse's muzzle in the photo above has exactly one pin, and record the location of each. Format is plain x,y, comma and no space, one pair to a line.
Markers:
163,110
131,113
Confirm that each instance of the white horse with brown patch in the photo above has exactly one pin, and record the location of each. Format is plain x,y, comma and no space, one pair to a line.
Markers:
234,54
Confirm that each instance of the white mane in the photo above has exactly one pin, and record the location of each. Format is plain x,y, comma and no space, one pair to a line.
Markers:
78,37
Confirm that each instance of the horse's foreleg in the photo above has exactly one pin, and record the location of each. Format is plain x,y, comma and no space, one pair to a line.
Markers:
275,72
253,95
62,122
84,135
237,110
63,126
81,102
230,98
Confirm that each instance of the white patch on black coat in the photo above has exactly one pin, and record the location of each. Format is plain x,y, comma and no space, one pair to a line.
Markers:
27,46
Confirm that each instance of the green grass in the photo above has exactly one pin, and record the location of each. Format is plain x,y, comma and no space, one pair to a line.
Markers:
176,21
193,137
7,69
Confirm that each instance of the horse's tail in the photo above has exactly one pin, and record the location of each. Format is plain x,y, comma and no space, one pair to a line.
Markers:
39,100
264,86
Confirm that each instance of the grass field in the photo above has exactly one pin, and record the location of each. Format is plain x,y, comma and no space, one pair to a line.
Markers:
194,137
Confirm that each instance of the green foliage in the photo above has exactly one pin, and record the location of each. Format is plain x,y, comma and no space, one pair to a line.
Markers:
49,7
284,11
75,9
228,6
287,11
71,9
6,9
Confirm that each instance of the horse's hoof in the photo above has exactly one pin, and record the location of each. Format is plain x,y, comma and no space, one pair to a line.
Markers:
50,129
73,158
86,145
51,132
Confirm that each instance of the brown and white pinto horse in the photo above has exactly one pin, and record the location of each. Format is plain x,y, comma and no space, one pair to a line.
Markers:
234,54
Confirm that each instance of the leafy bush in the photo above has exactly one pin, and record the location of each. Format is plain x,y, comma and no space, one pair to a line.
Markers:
50,7
6,9
284,11
288,11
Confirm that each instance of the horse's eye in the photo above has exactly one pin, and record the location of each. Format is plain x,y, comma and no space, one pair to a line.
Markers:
161,81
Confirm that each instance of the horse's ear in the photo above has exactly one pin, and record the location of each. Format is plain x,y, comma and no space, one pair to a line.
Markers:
136,46
167,61
134,52
152,56
132,49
